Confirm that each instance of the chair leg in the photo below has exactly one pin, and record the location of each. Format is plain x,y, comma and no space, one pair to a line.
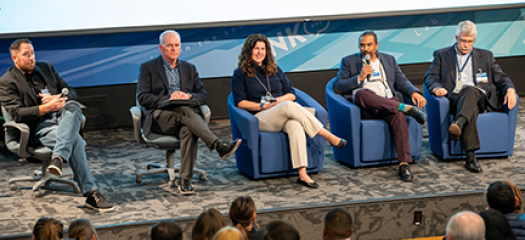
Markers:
44,179
170,168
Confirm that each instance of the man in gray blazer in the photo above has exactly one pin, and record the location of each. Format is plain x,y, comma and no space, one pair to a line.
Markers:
169,78
374,82
473,82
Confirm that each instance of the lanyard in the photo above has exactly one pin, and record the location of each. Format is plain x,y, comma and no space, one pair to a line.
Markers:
268,93
460,70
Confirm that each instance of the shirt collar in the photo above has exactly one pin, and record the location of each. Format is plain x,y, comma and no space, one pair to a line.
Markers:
167,64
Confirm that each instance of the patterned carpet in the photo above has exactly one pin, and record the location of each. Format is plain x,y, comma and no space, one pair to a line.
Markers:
115,157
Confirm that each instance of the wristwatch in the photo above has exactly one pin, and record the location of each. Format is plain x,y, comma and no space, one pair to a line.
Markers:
262,105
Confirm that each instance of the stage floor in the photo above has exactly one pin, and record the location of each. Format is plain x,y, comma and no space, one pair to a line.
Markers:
115,157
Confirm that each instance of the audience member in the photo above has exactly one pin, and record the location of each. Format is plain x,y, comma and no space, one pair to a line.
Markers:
501,197
82,229
496,226
337,225
242,214
48,229
465,225
517,194
280,230
166,230
229,233
207,224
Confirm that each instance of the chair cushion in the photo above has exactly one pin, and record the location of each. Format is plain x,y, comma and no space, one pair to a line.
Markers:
493,129
165,142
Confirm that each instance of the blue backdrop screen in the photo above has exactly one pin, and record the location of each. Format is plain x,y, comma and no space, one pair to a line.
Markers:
108,59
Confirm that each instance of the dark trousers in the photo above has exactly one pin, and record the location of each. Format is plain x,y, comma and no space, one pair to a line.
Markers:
377,107
188,126
468,103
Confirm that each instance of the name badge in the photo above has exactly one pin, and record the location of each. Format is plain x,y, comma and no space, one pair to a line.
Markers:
481,78
375,77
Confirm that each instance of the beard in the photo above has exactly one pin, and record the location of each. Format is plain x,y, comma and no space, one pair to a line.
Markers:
29,67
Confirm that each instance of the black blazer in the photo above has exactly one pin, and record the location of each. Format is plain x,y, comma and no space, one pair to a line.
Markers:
153,87
442,74
20,101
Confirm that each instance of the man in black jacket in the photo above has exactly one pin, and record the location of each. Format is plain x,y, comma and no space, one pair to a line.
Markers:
168,78
473,82
501,197
30,92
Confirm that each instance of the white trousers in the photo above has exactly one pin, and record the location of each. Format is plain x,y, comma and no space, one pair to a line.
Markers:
294,120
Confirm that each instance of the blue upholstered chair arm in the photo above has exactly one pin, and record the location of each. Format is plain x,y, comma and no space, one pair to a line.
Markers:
345,118
248,126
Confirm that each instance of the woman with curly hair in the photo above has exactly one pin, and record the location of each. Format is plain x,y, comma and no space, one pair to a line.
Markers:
261,87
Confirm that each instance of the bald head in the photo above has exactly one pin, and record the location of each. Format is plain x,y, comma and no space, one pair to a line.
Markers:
466,225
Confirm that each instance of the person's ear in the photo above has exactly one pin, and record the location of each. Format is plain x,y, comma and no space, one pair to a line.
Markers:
33,236
324,232
516,201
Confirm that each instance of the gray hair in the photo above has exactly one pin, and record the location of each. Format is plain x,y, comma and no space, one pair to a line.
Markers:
161,37
466,225
466,28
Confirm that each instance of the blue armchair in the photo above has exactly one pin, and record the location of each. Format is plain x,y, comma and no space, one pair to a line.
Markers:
369,141
266,154
496,130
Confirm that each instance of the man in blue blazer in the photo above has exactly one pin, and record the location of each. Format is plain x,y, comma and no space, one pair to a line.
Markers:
473,82
168,78
374,82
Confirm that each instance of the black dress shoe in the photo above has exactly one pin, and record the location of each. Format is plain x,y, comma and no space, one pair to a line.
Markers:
417,114
404,173
226,149
472,163
310,184
341,144
185,187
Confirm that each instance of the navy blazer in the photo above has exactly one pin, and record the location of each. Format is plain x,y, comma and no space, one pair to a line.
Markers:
351,66
21,101
442,74
153,87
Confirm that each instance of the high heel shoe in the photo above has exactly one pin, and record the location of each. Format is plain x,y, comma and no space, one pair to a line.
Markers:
341,144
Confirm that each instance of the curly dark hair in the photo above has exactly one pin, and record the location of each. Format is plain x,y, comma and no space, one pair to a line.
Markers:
245,58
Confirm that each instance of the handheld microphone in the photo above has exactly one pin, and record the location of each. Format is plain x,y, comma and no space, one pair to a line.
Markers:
367,60
65,91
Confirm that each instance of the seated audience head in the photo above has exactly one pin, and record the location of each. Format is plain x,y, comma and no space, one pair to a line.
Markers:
257,50
229,233
48,229
501,197
517,194
82,229
337,224
280,230
166,230
207,224
243,213
497,226
465,225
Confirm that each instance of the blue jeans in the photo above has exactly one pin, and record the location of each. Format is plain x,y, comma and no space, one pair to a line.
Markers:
60,131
